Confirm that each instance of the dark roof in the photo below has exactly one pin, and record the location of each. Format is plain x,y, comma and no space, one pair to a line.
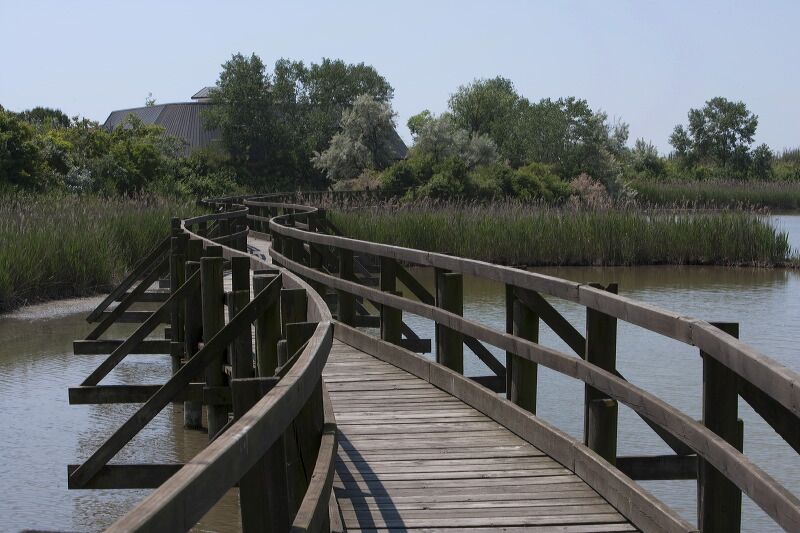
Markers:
203,93
183,121
399,148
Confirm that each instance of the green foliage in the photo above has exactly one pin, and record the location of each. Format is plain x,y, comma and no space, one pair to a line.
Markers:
364,141
516,233
721,133
20,158
273,123
720,193
55,246
45,117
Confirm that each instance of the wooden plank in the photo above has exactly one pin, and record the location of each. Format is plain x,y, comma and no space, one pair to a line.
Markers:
103,347
490,521
130,317
661,467
128,476
570,528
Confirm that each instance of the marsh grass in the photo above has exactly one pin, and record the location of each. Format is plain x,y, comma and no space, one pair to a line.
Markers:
518,234
782,195
63,246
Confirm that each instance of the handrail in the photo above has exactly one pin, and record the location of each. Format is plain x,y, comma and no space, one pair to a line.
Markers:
774,380
186,496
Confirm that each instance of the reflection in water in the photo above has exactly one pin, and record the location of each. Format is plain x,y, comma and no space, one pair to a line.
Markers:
42,433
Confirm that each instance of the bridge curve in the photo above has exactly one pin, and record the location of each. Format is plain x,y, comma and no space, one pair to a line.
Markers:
488,462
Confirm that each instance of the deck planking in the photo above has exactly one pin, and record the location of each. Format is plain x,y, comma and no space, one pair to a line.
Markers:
412,457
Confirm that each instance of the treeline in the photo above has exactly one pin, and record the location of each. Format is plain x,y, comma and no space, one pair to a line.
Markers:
331,124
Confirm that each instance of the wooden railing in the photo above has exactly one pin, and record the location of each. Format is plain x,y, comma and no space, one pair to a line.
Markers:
279,446
710,450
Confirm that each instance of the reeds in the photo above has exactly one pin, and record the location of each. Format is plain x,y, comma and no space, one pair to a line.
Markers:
518,234
782,195
63,246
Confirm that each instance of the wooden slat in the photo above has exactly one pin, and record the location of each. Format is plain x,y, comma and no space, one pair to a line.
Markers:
103,347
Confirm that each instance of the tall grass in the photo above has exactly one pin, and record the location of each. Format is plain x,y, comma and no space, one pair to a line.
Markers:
518,234
715,193
62,246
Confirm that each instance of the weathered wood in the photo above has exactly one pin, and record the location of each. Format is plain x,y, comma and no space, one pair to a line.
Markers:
111,394
193,331
346,303
658,467
103,347
140,334
391,319
600,415
719,502
242,346
268,330
141,268
555,320
212,294
127,476
524,373
262,489
450,343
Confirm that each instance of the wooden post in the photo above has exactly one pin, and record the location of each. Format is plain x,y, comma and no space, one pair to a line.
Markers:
450,343
719,501
293,309
600,411
268,330
347,302
391,320
242,346
388,274
175,352
262,490
509,301
193,332
213,321
177,276
523,372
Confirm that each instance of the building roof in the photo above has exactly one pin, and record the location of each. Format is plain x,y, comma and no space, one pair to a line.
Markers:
185,121
182,120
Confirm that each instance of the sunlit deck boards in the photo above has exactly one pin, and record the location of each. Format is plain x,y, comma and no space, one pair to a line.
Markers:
413,457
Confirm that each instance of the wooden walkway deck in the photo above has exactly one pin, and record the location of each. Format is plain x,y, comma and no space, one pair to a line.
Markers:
412,457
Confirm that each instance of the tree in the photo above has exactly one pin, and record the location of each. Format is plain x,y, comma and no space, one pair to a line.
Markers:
720,133
20,159
45,117
363,142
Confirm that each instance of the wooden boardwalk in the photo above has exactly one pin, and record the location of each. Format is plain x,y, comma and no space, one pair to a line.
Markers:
412,457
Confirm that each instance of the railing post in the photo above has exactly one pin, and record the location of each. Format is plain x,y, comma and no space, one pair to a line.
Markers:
719,501
242,346
388,274
347,302
268,330
523,373
177,272
391,321
262,490
193,330
450,343
600,411
213,321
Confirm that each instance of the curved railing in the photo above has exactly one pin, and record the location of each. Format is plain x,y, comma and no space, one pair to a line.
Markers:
302,245
293,418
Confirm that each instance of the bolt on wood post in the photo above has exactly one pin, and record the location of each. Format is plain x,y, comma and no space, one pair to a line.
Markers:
193,332
450,343
213,321
600,411
268,330
719,501
347,302
391,321
262,489
524,373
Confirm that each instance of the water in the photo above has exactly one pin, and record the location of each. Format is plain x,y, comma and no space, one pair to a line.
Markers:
42,433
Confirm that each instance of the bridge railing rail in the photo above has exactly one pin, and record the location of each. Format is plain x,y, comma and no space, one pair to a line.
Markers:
709,450
280,444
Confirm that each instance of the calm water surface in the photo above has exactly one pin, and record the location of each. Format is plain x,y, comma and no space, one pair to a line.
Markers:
42,433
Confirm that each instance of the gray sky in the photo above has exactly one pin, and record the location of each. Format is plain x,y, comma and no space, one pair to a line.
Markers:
643,62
